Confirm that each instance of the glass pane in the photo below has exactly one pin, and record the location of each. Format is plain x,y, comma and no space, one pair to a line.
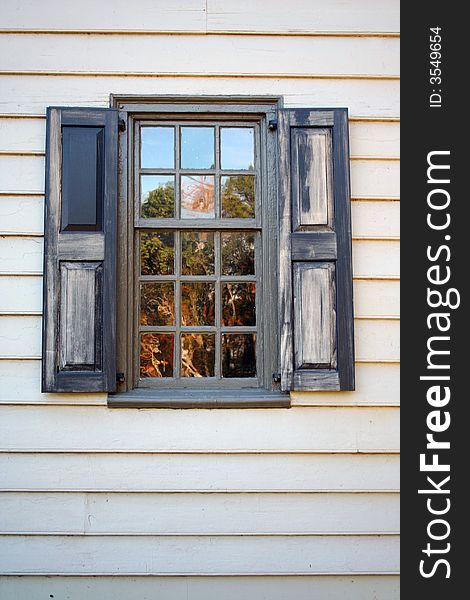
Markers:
197,197
156,354
157,303
238,196
238,253
157,148
197,148
197,303
157,252
238,304
237,148
197,253
239,355
157,196
197,355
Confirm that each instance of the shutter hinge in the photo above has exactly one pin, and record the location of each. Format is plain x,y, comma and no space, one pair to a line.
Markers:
120,377
272,125
122,125
277,377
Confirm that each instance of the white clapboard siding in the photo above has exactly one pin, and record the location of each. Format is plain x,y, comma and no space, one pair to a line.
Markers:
22,135
376,258
371,298
375,139
375,178
302,15
367,138
21,214
199,472
199,554
20,294
28,372
201,16
21,254
376,219
364,97
307,587
314,429
26,214
22,173
376,298
169,53
198,513
20,335
376,384
161,15
377,340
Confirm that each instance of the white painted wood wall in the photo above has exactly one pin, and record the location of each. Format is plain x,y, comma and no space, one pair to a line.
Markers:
232,504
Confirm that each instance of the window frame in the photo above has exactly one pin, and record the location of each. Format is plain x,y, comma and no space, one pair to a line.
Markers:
263,111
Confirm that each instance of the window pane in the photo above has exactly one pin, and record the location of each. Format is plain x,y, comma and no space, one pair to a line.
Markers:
157,252
238,355
197,303
157,196
197,253
158,148
156,354
197,148
238,196
237,148
197,355
238,304
157,303
197,197
238,253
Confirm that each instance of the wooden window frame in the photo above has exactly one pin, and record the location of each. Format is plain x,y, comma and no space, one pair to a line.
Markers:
263,112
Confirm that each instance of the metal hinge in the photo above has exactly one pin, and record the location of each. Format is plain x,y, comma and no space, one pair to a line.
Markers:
272,125
277,377
122,125
120,377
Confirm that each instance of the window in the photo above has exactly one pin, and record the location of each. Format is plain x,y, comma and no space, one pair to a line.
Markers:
198,269
197,252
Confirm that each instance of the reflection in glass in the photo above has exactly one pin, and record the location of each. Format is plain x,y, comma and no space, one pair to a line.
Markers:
238,196
197,253
197,355
237,148
157,303
197,148
157,196
197,197
238,355
197,303
157,147
157,252
238,253
238,304
156,354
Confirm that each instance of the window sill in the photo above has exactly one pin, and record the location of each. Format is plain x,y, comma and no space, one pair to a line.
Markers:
145,398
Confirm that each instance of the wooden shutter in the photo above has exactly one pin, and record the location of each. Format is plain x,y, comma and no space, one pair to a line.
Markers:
80,251
316,305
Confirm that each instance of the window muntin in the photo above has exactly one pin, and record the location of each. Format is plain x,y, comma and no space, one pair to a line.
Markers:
198,232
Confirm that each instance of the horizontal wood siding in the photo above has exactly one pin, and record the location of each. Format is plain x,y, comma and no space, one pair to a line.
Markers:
311,587
267,504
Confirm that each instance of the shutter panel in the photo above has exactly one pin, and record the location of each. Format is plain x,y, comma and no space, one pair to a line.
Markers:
316,305
79,322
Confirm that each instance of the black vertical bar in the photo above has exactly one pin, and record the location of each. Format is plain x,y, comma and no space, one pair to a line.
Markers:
433,121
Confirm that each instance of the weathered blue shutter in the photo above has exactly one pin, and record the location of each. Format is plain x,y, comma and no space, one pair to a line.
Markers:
316,303
79,312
